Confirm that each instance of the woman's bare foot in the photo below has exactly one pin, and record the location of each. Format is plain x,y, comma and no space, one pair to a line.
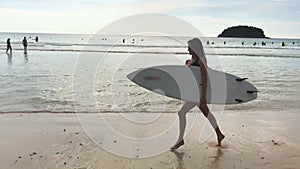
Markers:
177,145
220,138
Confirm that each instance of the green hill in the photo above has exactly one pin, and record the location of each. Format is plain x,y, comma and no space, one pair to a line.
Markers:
243,32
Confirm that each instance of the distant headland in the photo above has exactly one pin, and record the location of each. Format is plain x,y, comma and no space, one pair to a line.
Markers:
243,32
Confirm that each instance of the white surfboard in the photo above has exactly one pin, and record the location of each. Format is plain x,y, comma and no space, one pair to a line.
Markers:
185,83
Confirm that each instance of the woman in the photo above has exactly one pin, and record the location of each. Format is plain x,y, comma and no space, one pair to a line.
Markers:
195,49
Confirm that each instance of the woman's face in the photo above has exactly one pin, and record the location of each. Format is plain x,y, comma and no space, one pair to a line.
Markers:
190,51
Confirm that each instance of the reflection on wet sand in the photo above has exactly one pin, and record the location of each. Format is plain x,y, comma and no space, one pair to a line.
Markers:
179,159
26,58
216,162
9,59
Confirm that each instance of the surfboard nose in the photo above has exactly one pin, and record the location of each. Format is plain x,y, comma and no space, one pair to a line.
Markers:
131,75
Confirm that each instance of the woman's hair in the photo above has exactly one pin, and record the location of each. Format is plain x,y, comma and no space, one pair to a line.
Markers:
196,45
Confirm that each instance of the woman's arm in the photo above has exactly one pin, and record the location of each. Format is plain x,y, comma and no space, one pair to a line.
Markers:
203,71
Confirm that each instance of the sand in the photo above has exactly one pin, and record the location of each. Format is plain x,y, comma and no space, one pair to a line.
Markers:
253,140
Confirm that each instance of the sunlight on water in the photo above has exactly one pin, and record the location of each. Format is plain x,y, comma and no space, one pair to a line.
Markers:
42,81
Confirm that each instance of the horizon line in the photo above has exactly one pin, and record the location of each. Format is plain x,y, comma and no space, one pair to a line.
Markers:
77,33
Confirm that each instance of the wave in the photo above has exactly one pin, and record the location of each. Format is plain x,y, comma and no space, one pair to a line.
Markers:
62,44
257,106
256,47
100,51
257,55
279,55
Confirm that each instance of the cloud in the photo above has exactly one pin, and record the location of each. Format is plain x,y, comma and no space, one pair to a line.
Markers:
281,29
75,18
280,0
209,26
90,15
175,5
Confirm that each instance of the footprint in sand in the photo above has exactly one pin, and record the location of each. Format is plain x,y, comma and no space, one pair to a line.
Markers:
214,145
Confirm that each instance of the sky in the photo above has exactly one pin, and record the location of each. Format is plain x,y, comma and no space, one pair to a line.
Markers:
278,18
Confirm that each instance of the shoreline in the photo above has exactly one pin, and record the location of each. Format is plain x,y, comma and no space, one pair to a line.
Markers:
225,111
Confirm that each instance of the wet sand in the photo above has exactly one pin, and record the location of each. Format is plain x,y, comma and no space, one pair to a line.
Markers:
253,140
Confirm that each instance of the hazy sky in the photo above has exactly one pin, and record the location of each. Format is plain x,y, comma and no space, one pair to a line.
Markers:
278,18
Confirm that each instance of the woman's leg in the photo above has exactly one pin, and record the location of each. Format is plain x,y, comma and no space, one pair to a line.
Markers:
213,122
182,122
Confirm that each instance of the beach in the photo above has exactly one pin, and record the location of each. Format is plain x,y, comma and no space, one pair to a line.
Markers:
68,104
253,140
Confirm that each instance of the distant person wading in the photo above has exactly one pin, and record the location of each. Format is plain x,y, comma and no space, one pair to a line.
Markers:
24,42
36,39
9,47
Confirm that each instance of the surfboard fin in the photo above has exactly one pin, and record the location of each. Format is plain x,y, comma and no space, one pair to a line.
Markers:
251,91
241,79
239,100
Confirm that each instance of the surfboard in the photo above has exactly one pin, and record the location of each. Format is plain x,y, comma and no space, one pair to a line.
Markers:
185,83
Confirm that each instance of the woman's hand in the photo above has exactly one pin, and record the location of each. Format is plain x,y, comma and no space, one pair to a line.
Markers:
188,62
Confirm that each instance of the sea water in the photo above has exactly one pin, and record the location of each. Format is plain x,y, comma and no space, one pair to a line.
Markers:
45,79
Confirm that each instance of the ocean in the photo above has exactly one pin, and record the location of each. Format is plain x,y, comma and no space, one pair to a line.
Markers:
46,79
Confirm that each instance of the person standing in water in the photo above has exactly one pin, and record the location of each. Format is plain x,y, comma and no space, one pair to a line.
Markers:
8,47
36,39
195,49
24,42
